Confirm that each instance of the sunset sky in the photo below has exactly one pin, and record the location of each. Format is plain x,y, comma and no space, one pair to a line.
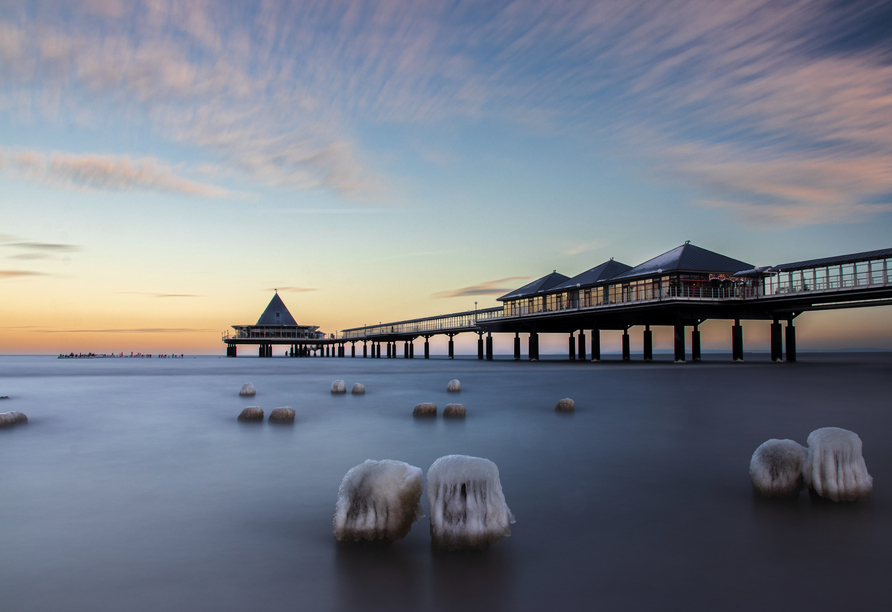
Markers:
164,166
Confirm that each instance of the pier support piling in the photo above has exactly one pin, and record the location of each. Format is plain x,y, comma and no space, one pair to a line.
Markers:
695,342
480,345
534,346
406,350
648,344
627,351
572,348
516,346
412,348
489,347
596,345
776,342
791,341
737,341
581,341
365,350
451,347
427,348
679,343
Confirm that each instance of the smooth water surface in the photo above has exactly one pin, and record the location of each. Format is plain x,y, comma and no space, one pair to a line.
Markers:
134,488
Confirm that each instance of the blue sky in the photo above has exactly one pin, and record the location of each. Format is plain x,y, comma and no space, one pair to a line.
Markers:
164,165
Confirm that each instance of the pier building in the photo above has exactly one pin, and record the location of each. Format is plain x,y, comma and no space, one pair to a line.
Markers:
276,326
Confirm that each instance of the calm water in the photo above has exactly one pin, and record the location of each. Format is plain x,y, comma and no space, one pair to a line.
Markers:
133,487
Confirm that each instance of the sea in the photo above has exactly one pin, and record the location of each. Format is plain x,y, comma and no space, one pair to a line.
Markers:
133,487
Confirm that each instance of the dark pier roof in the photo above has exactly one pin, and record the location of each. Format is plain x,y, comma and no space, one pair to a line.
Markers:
549,281
595,275
685,258
276,313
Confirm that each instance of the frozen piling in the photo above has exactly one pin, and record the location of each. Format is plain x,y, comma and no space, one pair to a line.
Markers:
425,410
776,468
454,411
284,414
378,500
251,413
467,506
565,405
338,386
453,386
834,467
247,390
358,389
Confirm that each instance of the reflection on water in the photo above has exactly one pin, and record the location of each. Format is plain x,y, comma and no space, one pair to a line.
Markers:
133,487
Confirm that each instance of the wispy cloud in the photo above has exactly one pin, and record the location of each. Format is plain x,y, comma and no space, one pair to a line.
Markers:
134,330
10,274
292,289
108,172
278,92
585,247
161,295
493,287
407,255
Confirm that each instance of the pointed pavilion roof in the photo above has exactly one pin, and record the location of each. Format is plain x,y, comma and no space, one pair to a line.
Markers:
276,313
686,258
595,275
537,286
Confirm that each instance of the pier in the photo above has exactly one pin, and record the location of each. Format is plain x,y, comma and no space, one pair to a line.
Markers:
681,289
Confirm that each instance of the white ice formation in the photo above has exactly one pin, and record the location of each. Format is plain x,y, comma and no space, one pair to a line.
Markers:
19,417
454,385
338,386
251,413
285,414
247,390
424,410
454,411
378,500
358,389
467,507
834,467
565,405
776,468
6,419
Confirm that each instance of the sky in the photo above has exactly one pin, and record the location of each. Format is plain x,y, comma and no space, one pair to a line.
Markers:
166,166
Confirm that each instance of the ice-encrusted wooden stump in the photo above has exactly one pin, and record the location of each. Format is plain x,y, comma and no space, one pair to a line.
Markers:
358,389
834,467
338,386
378,500
467,506
284,414
454,411
425,410
247,390
776,468
251,413
565,405
453,386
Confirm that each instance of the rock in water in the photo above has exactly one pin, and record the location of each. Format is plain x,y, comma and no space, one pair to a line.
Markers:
454,411
378,500
247,390
467,507
6,419
834,467
776,468
251,413
338,386
19,417
565,405
358,389
425,410
454,385
281,415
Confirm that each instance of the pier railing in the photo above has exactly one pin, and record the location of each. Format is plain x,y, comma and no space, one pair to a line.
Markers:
459,321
